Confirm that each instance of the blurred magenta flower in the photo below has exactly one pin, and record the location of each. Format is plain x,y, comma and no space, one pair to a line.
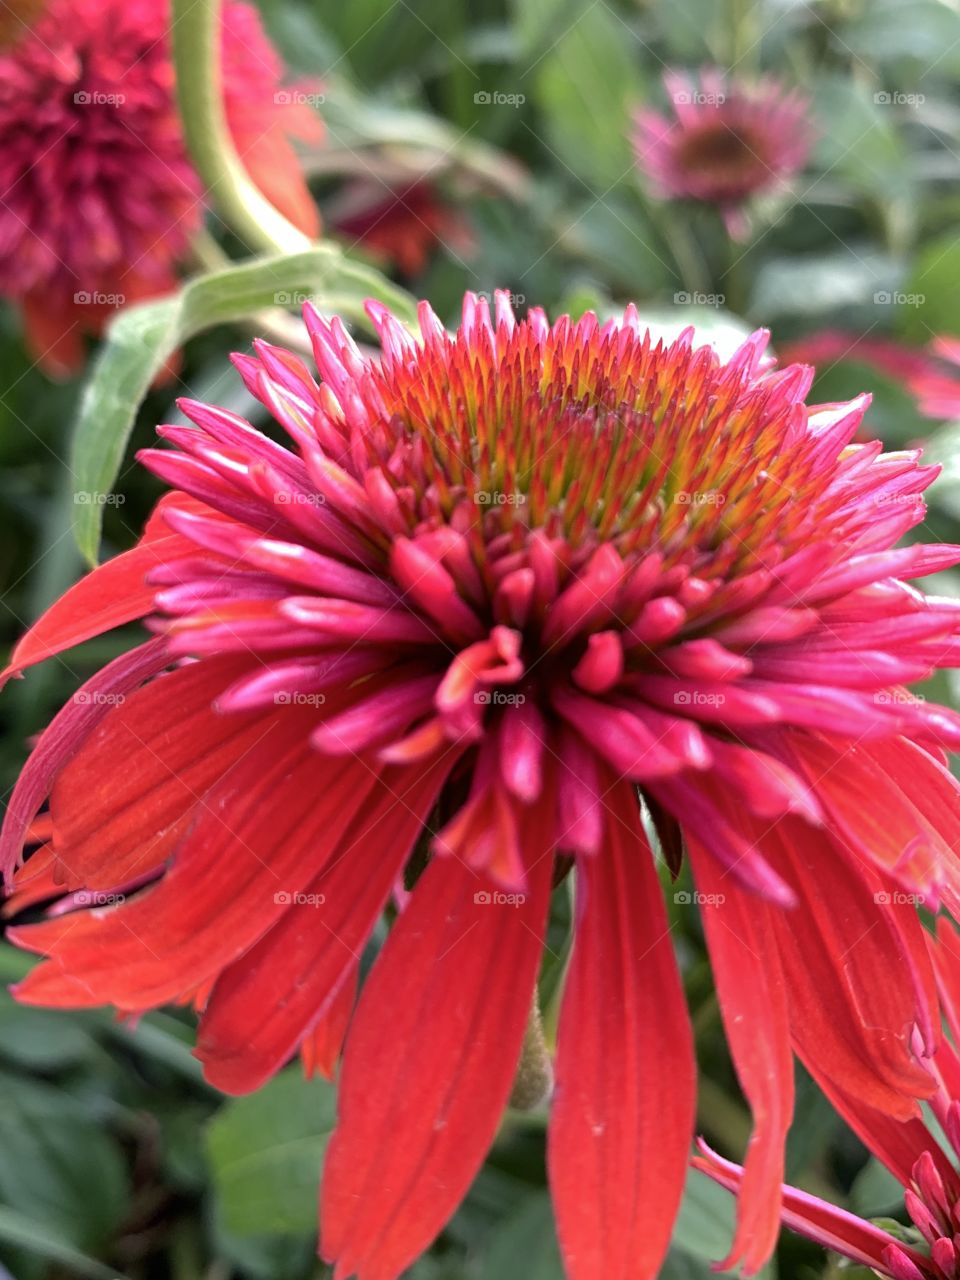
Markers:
925,371
98,200
401,226
938,390
724,141
888,356
505,582
924,1163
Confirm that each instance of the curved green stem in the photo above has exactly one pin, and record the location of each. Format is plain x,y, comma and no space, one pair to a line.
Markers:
196,55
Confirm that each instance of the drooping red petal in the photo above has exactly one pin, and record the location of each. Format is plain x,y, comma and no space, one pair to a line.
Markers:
65,734
124,798
445,1007
110,595
263,832
622,1117
263,1005
854,995
753,1002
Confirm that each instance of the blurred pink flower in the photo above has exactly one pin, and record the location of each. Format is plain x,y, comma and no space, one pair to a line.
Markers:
724,140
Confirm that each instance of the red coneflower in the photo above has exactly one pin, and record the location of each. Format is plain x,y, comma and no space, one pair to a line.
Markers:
930,1250
507,582
98,200
724,142
401,226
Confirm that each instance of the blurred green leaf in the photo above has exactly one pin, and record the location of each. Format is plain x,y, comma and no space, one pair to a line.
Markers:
811,284
875,1191
585,66
525,1244
51,1154
935,282
887,33
943,446
858,139
143,338
266,1151
37,1236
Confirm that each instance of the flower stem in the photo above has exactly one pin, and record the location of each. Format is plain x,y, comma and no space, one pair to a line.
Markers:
196,55
534,1079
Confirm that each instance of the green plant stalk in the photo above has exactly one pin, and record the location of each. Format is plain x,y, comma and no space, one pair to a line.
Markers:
196,56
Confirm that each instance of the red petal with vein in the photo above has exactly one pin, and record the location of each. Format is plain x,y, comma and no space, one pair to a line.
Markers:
263,1006
65,734
110,595
622,1117
853,994
264,831
445,1006
753,1001
140,774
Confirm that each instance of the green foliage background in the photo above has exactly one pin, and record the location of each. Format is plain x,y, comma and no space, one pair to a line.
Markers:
116,1160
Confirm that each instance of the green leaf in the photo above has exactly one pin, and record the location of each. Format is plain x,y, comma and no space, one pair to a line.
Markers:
858,139
266,1151
930,36
586,81
935,282
23,1232
51,1154
813,284
143,338
875,1190
42,1040
525,1244
943,446
704,1227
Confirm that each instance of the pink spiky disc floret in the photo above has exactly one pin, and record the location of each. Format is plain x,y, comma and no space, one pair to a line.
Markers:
503,579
